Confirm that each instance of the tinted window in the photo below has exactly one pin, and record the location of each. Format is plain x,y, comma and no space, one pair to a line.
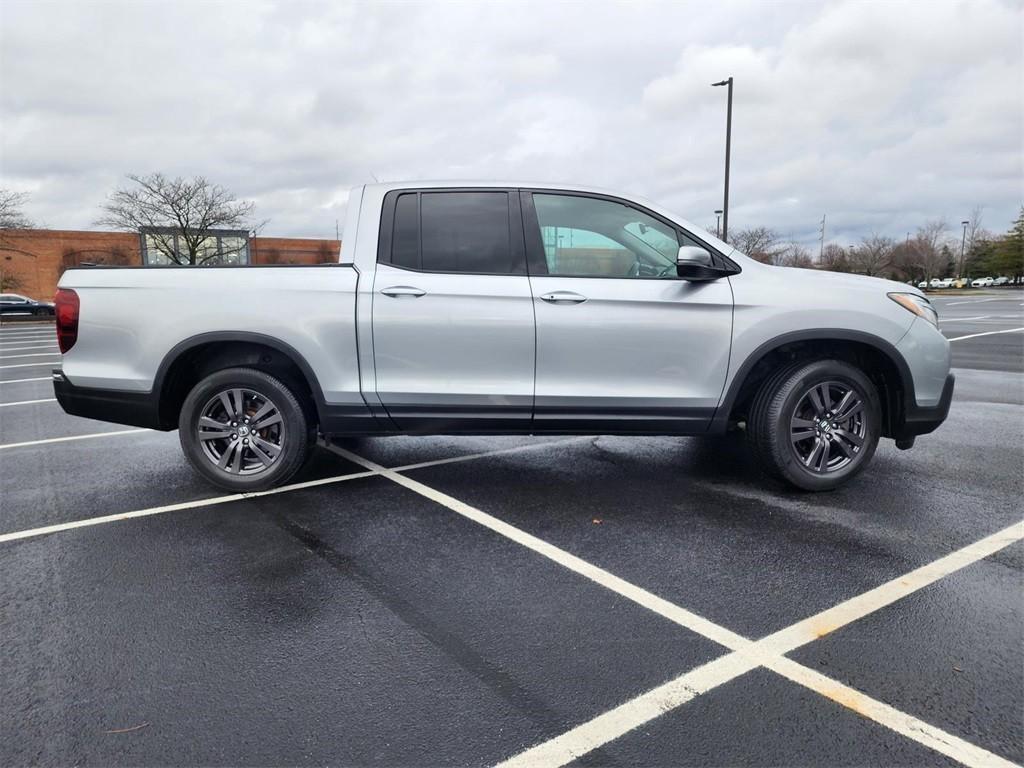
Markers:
455,232
585,236
465,232
405,237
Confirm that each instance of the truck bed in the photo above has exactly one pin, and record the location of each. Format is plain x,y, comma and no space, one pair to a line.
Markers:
134,318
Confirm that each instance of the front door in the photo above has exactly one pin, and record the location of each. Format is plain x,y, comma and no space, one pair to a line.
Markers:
623,345
453,329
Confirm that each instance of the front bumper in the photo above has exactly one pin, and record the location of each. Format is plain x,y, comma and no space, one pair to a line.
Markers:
920,421
137,409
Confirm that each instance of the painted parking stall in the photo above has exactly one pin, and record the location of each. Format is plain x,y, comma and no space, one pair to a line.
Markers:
525,601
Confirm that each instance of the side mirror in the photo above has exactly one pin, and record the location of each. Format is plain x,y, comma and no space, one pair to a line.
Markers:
696,265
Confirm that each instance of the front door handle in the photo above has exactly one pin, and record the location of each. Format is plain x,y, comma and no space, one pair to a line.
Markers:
401,291
563,297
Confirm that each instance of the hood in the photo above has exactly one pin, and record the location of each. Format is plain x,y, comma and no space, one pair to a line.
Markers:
846,280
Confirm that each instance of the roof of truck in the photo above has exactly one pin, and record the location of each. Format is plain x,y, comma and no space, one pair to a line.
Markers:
495,184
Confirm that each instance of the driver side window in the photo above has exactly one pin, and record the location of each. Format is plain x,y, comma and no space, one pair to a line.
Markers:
590,237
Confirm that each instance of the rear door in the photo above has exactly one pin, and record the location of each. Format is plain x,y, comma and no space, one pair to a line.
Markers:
453,326
623,344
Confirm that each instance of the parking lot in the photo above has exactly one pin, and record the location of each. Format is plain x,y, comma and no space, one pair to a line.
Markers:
469,601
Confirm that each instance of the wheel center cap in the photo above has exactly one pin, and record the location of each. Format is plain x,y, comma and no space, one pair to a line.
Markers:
243,431
825,426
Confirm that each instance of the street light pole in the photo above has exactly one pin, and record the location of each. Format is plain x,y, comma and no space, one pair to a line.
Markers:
718,224
728,147
963,242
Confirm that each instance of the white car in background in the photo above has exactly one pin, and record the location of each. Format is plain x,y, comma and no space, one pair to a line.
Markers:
935,283
946,282
1001,281
983,282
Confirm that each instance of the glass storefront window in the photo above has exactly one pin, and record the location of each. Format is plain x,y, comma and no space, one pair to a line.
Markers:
168,247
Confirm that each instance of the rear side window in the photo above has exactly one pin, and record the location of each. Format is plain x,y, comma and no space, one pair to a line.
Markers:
462,232
405,236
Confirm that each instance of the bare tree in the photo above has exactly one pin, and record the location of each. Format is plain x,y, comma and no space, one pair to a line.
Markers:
873,256
73,257
186,210
795,256
834,258
976,243
11,215
9,282
904,262
928,253
975,232
760,243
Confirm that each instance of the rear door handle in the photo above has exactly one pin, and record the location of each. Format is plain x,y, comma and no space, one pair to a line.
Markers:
563,297
401,291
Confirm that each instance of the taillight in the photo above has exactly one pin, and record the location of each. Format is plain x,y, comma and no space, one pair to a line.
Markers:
66,310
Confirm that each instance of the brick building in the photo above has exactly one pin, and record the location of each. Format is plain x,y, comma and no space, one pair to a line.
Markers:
36,258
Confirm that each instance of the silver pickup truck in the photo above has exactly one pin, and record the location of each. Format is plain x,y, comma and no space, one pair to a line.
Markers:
504,308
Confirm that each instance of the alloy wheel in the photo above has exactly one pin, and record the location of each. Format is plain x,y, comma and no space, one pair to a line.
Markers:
828,428
241,431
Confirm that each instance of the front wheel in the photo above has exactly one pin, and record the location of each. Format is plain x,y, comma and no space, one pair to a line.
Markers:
815,425
244,430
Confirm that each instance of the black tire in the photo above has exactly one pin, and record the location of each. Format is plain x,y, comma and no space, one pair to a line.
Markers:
292,435
784,410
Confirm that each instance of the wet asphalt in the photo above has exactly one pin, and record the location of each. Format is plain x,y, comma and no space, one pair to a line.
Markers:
359,623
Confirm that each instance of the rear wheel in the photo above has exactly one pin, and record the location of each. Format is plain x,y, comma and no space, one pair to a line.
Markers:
815,425
244,430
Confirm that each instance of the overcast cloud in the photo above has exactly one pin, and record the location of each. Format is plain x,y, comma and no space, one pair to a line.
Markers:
880,114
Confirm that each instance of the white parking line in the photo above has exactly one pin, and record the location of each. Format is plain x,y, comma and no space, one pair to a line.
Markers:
624,718
90,521
27,365
47,345
40,334
69,438
973,301
987,333
616,722
746,654
29,402
29,338
33,354
962,319
22,381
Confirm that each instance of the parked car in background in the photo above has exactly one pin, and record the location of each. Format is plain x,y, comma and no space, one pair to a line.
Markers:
505,308
15,304
983,282
946,282
1001,281
935,283
923,284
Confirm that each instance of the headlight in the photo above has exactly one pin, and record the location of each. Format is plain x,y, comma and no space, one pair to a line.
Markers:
919,305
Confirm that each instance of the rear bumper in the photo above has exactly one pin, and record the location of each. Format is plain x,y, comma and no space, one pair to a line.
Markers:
137,409
921,421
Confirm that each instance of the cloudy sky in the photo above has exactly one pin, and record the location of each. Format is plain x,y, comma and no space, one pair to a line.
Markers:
879,114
